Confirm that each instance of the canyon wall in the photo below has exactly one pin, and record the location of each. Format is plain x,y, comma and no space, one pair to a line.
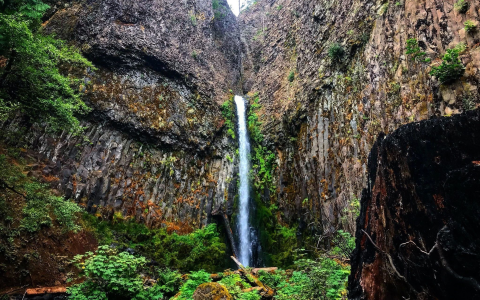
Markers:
322,115
154,145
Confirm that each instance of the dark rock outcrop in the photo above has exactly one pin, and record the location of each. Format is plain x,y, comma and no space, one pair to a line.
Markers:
421,210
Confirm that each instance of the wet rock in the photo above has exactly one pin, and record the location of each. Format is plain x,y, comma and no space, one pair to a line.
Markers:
420,209
212,291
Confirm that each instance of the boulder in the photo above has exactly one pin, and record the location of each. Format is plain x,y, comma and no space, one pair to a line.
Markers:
212,291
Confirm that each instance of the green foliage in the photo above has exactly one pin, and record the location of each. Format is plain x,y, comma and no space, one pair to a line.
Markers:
414,50
263,159
194,280
200,249
462,6
470,26
279,7
451,68
112,275
193,19
291,76
235,284
229,116
218,12
336,52
31,81
40,206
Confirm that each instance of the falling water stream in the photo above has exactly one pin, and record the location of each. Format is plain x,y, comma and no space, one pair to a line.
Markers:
245,248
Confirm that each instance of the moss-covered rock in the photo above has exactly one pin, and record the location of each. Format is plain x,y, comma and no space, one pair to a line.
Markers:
212,291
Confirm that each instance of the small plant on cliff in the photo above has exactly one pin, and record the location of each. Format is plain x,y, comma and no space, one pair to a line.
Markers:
229,116
451,68
462,6
470,26
291,76
336,52
414,50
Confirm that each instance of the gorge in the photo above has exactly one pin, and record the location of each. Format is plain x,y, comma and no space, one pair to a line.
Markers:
348,127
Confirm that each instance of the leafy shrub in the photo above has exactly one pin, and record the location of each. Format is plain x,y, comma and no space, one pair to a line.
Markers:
462,6
234,284
194,280
414,50
336,52
112,275
451,68
31,80
470,26
200,249
291,76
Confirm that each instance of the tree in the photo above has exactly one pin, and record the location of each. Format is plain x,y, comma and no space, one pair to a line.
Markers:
30,78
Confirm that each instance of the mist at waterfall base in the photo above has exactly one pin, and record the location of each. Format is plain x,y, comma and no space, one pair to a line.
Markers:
249,247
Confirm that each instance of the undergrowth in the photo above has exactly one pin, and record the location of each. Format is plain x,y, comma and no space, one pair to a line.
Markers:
201,249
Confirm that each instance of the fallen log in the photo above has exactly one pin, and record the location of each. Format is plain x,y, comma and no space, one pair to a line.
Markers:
268,270
46,290
265,291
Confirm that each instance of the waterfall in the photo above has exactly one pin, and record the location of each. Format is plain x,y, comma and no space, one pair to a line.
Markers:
244,168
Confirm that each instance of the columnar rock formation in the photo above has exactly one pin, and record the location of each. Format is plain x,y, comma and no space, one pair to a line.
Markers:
324,119
156,144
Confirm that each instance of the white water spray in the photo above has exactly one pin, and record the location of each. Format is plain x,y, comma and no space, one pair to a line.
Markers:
243,218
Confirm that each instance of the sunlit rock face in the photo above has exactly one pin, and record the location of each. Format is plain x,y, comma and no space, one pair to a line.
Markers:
421,210
324,122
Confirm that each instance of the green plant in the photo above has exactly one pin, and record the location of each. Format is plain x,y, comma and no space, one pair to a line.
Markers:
462,6
451,68
31,80
336,52
108,274
470,26
194,280
291,76
218,14
229,116
194,54
279,7
398,3
193,19
414,50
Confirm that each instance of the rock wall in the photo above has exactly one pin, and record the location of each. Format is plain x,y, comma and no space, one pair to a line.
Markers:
420,210
155,145
323,120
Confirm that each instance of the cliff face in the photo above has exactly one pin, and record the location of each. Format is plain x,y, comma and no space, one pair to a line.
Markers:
421,210
322,115
154,144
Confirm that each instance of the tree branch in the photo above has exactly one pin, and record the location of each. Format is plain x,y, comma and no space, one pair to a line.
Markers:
4,185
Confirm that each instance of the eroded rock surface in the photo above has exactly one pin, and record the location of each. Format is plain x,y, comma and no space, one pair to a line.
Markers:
421,209
324,122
